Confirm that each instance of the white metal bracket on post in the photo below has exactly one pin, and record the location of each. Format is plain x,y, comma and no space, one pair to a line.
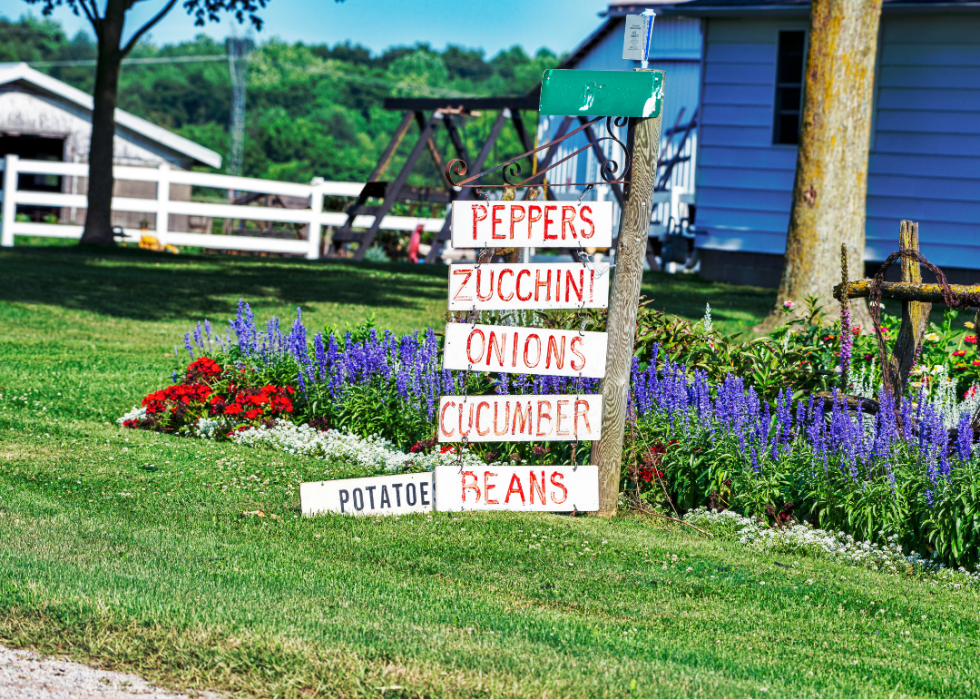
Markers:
9,210
316,211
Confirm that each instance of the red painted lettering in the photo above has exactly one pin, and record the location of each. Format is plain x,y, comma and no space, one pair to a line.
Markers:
462,287
576,366
514,210
582,410
570,284
554,351
520,275
442,419
537,352
514,480
498,348
469,427
544,413
477,209
539,488
538,284
487,487
548,221
556,479
531,218
590,231
561,415
567,216
483,404
471,486
496,209
469,346
479,293
524,417
496,430
500,284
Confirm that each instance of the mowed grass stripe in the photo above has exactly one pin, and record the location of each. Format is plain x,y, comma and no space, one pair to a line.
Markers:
130,549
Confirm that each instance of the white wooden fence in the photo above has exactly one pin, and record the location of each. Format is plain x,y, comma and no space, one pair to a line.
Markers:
162,206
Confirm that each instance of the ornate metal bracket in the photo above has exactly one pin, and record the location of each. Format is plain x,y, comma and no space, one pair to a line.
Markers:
512,169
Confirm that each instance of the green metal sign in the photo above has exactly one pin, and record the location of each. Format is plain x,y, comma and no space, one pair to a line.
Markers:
595,93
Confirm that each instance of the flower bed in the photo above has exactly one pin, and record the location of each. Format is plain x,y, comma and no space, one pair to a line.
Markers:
714,432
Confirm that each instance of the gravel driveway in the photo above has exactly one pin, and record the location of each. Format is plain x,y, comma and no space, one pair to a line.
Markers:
27,675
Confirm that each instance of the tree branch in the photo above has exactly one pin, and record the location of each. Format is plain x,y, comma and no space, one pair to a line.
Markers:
91,14
146,27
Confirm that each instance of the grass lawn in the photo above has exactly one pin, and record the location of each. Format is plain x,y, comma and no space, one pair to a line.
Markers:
131,549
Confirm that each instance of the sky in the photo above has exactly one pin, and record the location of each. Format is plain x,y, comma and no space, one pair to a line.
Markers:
492,25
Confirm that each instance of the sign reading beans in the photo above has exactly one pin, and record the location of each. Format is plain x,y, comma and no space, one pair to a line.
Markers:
543,224
526,488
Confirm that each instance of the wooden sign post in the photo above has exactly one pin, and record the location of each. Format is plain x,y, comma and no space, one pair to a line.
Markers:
643,142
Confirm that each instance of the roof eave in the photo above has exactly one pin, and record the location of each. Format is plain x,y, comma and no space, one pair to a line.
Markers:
161,136
804,10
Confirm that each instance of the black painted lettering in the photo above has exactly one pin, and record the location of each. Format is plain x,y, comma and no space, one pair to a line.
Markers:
410,494
358,499
344,498
385,502
424,492
370,491
398,493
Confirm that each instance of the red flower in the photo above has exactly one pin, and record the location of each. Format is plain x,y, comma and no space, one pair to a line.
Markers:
868,357
829,338
448,449
233,409
253,413
856,330
975,362
970,339
959,353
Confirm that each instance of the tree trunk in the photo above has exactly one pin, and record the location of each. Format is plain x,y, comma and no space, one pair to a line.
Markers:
98,219
832,166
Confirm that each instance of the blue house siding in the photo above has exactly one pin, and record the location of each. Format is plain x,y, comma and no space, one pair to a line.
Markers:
925,149
744,183
925,145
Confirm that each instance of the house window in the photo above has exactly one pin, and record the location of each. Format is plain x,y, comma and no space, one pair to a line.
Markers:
789,87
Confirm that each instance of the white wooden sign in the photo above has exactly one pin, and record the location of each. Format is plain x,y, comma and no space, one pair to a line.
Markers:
520,418
510,286
523,488
524,350
383,495
541,224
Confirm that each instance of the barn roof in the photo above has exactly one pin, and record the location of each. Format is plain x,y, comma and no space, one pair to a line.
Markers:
23,73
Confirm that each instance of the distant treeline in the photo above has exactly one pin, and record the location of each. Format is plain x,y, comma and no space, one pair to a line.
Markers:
312,109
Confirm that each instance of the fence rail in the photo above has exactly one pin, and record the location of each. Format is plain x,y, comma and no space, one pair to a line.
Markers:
313,216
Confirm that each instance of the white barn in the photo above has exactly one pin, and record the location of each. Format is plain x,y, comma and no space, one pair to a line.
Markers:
42,118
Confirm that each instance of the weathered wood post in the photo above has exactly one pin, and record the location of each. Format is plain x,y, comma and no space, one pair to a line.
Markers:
643,143
915,314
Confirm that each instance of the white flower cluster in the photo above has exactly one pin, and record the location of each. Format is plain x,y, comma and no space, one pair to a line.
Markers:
208,428
802,539
372,452
137,413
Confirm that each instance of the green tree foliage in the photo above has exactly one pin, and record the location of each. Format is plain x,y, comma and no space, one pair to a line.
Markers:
312,110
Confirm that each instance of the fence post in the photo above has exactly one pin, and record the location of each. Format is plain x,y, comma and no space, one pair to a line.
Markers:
316,209
163,202
915,314
9,200
643,142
